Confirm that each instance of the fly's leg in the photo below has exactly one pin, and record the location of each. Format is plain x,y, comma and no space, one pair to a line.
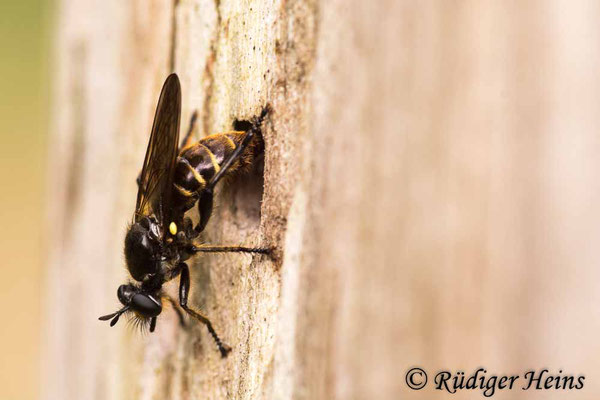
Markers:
240,148
176,308
205,207
205,202
188,230
184,289
228,249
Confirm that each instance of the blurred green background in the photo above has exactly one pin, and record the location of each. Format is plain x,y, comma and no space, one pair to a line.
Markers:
25,27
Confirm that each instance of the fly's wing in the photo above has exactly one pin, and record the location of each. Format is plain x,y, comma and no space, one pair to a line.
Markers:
156,180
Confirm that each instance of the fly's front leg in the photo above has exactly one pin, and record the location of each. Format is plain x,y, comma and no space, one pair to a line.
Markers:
184,289
205,206
187,231
177,310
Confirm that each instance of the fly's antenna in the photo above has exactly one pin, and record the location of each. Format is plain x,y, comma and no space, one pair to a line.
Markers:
115,316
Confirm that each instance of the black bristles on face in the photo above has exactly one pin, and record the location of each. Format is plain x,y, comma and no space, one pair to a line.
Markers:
139,323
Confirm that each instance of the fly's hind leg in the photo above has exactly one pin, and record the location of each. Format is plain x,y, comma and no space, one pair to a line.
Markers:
184,289
205,202
177,310
250,133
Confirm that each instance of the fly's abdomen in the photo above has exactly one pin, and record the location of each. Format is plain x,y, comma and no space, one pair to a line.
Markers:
199,162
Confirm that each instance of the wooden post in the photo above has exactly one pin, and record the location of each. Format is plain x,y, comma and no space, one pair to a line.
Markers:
418,186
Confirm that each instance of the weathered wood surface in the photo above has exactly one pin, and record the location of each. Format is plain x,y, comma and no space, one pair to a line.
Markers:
430,184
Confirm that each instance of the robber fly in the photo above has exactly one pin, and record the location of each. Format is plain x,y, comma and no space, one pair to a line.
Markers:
172,181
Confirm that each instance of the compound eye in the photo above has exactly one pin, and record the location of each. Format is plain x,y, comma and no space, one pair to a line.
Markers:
124,294
145,223
146,305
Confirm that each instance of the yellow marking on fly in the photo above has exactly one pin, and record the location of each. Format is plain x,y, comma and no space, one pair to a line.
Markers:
173,228
196,175
230,142
213,159
186,147
183,191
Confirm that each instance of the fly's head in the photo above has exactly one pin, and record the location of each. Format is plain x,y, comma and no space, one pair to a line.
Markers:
143,254
143,305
